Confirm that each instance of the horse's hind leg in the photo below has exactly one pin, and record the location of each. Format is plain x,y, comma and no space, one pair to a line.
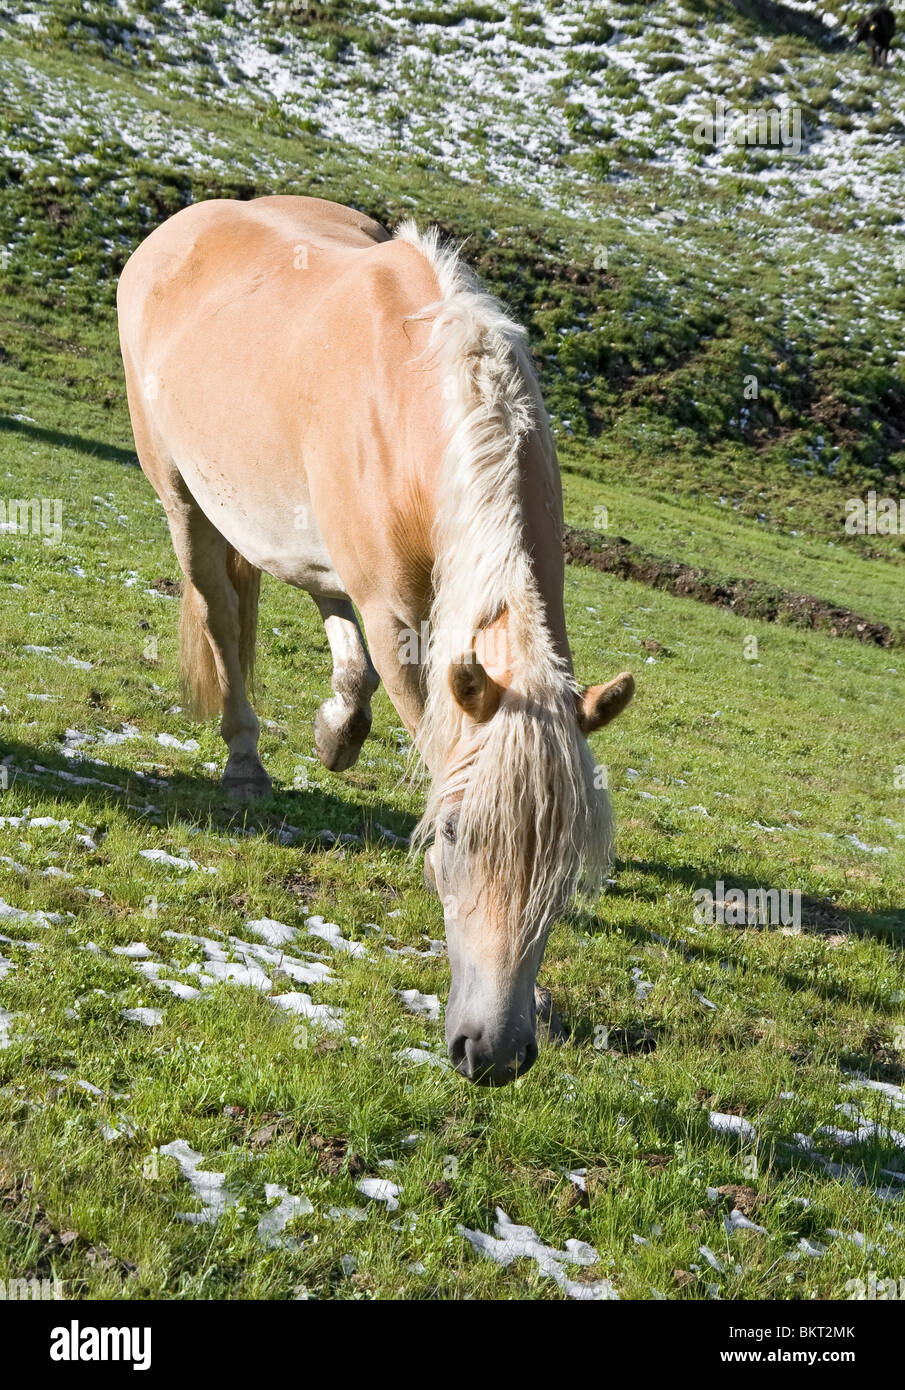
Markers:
219,614
217,638
343,722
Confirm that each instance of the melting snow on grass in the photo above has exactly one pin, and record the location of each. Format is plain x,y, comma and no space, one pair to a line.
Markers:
511,1242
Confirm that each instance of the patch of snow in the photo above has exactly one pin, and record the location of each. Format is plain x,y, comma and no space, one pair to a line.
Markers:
330,932
380,1190
150,1018
511,1242
272,932
427,1005
210,1188
170,861
302,1004
732,1124
273,1222
419,1057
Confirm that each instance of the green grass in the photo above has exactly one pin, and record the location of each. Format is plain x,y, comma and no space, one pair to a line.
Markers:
715,537
796,757
812,757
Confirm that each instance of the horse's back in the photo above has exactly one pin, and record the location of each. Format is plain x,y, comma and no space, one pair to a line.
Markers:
224,245
271,360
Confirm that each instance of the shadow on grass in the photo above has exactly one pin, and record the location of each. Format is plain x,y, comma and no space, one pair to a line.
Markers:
819,916
94,448
295,818
781,19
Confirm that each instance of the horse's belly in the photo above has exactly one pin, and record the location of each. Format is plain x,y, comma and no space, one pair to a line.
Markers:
277,533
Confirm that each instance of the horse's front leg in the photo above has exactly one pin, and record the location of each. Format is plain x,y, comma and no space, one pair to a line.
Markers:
343,722
396,647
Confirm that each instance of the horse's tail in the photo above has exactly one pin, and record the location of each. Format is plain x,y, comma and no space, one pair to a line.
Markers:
197,668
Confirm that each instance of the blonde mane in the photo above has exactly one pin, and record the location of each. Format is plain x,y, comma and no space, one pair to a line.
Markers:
532,808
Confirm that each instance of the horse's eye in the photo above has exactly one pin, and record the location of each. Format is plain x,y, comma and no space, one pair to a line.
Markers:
448,830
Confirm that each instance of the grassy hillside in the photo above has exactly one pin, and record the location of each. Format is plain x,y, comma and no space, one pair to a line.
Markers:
655,277
659,276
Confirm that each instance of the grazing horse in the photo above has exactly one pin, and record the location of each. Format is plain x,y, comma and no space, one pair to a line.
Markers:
354,414
877,29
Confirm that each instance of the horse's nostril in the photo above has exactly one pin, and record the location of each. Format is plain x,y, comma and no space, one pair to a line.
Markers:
476,1063
458,1054
473,1058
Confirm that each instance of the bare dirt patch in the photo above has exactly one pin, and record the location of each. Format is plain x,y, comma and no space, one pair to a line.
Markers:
750,598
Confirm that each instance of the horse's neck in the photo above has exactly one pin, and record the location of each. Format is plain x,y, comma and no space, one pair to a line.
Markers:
498,644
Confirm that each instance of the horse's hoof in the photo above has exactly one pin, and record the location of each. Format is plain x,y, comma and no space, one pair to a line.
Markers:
550,1026
339,732
245,787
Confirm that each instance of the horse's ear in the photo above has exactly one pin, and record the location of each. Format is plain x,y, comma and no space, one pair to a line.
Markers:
473,690
601,703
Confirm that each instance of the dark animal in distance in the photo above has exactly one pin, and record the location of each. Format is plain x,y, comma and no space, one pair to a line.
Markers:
877,31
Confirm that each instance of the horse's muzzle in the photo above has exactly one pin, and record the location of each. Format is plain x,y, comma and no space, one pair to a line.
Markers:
487,1065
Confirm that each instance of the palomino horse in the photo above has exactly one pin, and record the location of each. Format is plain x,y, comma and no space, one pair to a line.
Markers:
352,413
